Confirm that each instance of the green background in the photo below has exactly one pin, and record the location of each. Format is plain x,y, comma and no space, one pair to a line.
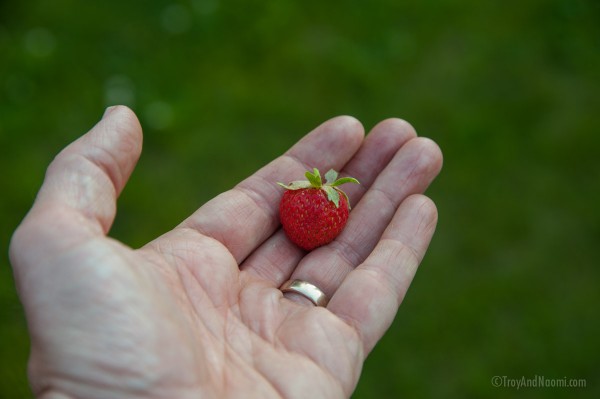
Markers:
509,90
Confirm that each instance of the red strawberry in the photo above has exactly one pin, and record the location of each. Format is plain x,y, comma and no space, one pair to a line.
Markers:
313,213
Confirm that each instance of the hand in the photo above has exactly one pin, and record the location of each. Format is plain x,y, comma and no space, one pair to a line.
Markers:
198,311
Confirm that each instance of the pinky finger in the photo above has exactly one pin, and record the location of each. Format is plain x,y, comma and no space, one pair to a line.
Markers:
370,295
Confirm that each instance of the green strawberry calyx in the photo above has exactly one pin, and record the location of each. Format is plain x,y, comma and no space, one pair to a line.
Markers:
331,186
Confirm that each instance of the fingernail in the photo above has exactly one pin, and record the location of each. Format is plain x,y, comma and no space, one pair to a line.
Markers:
107,111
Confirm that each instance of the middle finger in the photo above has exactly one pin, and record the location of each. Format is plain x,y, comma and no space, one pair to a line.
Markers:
277,257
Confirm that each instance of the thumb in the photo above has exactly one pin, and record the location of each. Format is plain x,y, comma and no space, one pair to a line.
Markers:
83,182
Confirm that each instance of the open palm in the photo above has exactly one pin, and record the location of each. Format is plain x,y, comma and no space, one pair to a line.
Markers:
198,311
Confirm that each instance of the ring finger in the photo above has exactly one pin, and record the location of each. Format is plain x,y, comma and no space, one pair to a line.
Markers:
411,171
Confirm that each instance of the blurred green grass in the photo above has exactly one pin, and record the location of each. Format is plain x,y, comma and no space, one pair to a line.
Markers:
508,89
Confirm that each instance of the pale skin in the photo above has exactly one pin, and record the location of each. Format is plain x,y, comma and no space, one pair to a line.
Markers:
197,312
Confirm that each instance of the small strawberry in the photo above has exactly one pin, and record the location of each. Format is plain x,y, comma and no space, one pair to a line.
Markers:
313,213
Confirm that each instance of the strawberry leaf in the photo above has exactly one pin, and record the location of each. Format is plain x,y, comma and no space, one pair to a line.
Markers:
333,195
331,176
296,185
344,180
314,178
345,196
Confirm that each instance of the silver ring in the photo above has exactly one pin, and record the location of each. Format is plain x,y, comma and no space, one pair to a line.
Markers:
307,290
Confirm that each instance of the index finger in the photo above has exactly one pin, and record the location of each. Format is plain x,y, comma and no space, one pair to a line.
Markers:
247,215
